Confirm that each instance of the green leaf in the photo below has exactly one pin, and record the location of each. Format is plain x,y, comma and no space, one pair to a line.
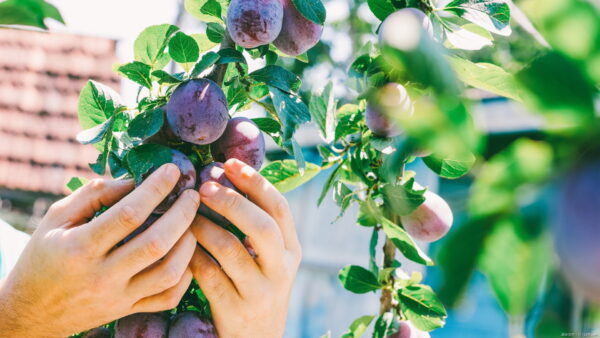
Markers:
212,8
285,176
422,307
201,11
451,167
208,60
385,326
164,77
468,36
357,279
76,183
493,15
358,327
349,119
322,109
146,124
486,76
381,8
99,167
203,42
268,125
369,213
329,183
277,77
230,55
373,252
298,156
95,134
28,13
215,32
97,103
137,72
404,242
150,45
342,196
183,49
515,260
403,199
291,111
146,158
313,10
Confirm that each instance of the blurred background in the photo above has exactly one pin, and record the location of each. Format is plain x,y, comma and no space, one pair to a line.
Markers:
40,78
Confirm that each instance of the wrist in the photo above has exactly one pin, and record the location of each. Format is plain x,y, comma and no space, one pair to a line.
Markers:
14,321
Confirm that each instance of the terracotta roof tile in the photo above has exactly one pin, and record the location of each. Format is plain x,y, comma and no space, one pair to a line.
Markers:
41,75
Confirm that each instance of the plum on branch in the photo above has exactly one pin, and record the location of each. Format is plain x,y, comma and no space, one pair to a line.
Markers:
241,140
253,23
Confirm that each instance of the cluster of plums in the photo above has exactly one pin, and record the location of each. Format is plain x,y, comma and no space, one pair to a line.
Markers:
254,23
197,113
158,325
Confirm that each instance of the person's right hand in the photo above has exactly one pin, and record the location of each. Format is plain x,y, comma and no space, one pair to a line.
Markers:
70,277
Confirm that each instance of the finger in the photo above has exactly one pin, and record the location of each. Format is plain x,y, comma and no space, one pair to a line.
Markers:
228,251
83,203
266,196
213,281
165,300
130,212
154,243
253,221
167,272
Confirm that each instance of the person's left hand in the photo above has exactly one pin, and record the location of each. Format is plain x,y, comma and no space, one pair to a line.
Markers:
248,297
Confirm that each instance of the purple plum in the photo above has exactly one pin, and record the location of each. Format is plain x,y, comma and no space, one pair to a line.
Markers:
298,34
214,172
430,221
242,140
142,325
197,111
253,23
165,136
189,325
187,180
407,330
390,100
578,228
99,332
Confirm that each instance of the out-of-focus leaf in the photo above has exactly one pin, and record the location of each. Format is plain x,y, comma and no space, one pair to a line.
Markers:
358,327
150,45
451,167
76,183
493,15
200,9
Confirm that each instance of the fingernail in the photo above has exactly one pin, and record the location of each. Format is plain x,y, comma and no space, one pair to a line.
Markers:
235,165
193,195
209,189
171,172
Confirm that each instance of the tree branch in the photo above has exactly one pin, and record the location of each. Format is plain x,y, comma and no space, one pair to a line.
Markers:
218,73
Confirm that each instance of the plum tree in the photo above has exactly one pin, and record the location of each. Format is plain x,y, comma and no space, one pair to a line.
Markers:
214,172
403,25
298,34
197,111
188,324
390,100
577,230
253,23
99,332
146,325
165,135
430,221
242,140
187,180
407,330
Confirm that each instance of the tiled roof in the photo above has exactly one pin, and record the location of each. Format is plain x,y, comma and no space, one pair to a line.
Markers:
41,75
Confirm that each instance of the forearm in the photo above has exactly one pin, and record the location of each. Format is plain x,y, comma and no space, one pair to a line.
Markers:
14,322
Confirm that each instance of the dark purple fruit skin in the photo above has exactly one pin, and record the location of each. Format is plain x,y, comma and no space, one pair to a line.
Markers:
241,140
189,325
378,123
197,111
187,180
253,23
577,230
298,34
99,332
142,325
214,172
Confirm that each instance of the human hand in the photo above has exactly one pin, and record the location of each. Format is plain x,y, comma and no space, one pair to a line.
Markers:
248,297
71,277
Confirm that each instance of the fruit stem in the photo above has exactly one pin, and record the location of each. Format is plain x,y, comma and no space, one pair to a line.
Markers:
218,73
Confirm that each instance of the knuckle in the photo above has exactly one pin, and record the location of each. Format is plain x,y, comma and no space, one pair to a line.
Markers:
155,248
283,207
266,229
128,217
210,272
172,300
170,277
229,249
157,187
56,208
232,201
97,185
